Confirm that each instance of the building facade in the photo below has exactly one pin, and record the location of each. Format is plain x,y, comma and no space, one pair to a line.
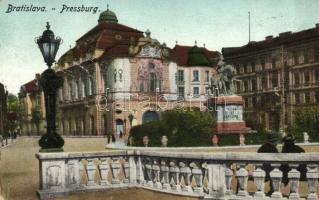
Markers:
278,76
32,108
3,109
117,77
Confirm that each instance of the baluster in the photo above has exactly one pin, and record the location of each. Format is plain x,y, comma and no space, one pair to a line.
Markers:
228,177
126,167
90,170
276,177
116,169
149,173
104,169
174,171
242,175
186,174
156,170
139,170
165,175
259,180
294,176
312,176
198,175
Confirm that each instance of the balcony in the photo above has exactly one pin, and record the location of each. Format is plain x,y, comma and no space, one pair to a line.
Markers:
192,174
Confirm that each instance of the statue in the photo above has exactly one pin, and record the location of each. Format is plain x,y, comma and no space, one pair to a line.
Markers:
224,79
305,137
164,141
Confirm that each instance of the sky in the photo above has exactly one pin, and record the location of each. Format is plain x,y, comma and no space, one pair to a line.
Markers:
215,23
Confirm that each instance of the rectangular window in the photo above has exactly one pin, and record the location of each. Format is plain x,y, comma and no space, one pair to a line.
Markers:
180,76
306,78
195,75
196,91
253,66
264,82
254,84
296,79
254,101
297,99
307,97
317,96
246,85
274,80
317,75
238,87
206,76
181,91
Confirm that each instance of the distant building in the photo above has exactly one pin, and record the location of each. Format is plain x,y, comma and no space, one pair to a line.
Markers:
3,109
116,77
32,108
278,75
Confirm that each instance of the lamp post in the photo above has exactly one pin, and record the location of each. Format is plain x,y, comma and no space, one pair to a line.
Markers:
50,82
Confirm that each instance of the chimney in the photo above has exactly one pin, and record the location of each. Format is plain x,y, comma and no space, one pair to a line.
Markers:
283,34
269,37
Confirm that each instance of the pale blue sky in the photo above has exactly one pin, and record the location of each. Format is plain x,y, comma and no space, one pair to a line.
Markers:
216,23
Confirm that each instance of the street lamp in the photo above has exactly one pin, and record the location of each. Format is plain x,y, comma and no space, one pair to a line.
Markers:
50,82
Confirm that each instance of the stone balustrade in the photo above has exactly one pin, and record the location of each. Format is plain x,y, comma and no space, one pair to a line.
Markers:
204,175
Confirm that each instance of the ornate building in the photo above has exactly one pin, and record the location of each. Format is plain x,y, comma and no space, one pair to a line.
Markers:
3,109
32,108
278,75
116,77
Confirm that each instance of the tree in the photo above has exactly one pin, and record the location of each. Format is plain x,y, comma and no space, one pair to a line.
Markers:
12,103
182,127
307,120
13,110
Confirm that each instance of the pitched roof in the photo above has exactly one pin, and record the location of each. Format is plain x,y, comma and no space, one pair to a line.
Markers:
102,36
180,54
32,86
110,26
287,39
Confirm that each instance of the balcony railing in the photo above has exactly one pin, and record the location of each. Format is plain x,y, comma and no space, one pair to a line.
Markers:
205,175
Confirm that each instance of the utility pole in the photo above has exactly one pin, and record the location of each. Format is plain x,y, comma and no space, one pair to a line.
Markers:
282,99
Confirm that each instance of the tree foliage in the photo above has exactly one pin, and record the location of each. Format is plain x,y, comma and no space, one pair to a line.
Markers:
307,120
182,128
12,103
13,111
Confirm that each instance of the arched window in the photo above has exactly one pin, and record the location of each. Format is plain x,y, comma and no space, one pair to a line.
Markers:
153,82
149,116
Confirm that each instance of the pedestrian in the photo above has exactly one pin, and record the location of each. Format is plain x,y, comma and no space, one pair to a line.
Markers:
269,147
289,146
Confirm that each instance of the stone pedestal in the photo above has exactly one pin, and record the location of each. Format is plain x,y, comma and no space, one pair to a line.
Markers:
229,115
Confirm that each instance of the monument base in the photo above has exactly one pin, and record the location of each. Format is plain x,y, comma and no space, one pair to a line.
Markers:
229,114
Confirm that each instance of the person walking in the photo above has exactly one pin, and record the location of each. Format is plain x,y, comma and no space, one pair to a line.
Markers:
269,147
